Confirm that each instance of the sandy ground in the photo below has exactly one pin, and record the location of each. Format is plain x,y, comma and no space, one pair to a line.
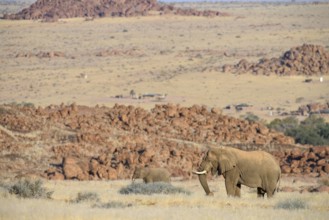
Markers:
172,55
177,206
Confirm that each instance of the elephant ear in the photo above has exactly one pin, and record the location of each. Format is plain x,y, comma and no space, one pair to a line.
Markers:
225,164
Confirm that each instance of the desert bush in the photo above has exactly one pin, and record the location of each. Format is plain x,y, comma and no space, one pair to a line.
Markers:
324,181
250,117
3,111
313,130
110,205
86,197
30,189
284,124
23,104
153,188
4,190
291,204
300,99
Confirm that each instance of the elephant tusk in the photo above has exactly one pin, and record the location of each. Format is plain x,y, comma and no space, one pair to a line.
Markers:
200,173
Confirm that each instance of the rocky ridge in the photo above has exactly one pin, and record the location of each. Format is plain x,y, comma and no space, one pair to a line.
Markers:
306,60
54,9
87,143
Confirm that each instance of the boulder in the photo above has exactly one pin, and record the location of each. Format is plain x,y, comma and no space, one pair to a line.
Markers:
56,176
285,169
70,168
320,189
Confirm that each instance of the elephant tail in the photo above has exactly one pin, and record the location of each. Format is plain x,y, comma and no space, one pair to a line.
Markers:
278,184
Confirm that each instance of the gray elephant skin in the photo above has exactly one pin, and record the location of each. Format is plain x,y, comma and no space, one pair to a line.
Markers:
150,175
255,169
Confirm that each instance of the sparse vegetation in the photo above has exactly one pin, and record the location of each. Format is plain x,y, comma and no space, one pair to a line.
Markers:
153,188
300,99
250,117
111,204
23,104
86,197
30,189
313,130
291,204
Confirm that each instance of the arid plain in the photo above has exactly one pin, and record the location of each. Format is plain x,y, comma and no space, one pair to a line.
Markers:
92,62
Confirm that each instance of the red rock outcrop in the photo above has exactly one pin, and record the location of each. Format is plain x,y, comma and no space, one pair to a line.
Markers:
313,108
306,60
313,161
51,10
86,143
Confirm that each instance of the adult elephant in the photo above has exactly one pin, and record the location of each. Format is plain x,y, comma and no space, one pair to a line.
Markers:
150,175
255,169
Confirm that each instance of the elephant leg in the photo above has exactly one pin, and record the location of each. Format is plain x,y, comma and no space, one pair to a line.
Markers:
260,192
147,180
270,192
231,181
230,188
271,189
238,190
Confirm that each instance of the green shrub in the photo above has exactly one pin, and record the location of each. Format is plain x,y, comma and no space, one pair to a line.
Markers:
30,189
284,124
291,204
111,204
86,197
152,188
313,130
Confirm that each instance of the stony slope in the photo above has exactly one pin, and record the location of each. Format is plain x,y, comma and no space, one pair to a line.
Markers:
79,142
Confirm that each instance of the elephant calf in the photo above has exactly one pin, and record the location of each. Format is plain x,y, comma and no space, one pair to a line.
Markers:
150,175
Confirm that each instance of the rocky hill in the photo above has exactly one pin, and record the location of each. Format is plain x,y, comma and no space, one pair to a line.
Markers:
306,60
55,9
79,142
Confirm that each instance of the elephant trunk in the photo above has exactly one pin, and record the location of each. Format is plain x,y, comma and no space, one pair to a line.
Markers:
205,167
204,183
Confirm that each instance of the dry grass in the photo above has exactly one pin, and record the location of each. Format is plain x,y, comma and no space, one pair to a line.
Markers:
113,205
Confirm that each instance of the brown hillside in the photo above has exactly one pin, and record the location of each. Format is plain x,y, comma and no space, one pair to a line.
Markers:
54,9
79,142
